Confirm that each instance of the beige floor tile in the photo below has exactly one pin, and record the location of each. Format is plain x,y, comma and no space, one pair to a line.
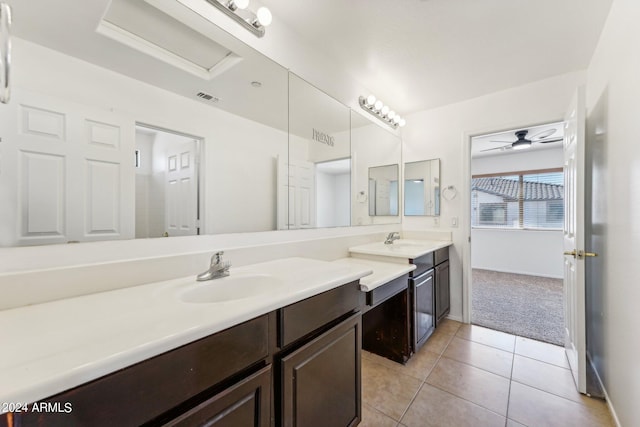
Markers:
511,423
374,418
433,407
449,326
387,390
419,366
476,385
546,377
487,336
533,407
438,341
481,356
541,351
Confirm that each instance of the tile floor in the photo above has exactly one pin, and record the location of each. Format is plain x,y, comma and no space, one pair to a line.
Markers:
471,376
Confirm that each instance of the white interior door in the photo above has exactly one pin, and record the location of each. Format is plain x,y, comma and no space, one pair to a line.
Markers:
574,255
66,172
181,202
296,194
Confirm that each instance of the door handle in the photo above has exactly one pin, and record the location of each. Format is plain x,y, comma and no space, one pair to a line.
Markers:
572,253
582,254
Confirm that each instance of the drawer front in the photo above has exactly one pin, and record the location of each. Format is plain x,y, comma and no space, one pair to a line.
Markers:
139,393
246,403
386,291
304,317
423,263
441,255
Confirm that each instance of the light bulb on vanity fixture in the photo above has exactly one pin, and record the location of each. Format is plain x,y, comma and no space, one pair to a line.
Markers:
256,24
376,107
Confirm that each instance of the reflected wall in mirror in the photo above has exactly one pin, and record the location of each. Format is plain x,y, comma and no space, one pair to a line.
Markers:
316,180
70,133
372,146
383,190
422,188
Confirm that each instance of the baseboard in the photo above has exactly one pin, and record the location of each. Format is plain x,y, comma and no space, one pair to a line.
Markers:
456,318
604,390
526,273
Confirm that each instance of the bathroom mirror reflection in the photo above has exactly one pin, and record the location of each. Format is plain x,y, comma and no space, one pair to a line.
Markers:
383,190
318,172
422,188
90,97
371,145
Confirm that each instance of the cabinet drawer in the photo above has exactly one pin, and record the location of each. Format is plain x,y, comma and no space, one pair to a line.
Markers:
304,317
144,391
246,403
441,255
423,263
386,291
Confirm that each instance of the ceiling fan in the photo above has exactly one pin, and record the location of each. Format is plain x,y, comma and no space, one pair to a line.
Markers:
522,142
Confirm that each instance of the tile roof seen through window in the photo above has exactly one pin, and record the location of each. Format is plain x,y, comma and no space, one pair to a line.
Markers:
508,189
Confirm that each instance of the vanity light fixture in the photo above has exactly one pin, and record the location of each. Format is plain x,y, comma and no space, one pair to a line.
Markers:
255,23
377,108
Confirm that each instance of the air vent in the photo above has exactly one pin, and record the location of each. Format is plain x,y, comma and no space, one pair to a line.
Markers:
208,97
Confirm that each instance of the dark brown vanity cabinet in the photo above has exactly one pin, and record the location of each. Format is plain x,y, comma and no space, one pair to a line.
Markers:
296,366
318,369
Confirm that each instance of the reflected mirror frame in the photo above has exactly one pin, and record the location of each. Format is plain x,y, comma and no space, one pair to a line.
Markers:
373,192
413,206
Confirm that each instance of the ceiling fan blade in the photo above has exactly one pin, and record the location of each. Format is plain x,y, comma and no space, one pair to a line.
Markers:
497,148
503,142
547,133
546,141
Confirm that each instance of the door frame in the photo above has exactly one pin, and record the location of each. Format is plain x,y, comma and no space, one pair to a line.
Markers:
465,222
200,171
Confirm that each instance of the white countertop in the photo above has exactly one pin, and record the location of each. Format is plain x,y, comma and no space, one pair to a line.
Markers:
403,248
383,272
51,347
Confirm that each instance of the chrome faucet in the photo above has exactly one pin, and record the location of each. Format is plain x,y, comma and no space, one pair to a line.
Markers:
391,237
217,268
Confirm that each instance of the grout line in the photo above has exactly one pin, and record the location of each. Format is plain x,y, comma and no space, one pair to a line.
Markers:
477,367
543,361
513,362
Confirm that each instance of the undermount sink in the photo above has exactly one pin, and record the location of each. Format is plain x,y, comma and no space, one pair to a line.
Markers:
230,288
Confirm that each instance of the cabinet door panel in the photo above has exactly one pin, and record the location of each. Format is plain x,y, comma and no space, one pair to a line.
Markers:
321,380
245,404
443,302
424,308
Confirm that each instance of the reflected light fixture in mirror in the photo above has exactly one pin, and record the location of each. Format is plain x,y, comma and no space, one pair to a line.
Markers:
254,23
381,111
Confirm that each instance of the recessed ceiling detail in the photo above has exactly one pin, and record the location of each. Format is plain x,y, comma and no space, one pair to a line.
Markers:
151,31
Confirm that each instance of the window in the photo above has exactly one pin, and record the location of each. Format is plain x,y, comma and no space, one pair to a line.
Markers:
521,200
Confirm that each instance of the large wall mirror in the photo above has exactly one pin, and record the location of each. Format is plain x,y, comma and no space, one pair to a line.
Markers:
136,119
422,188
376,157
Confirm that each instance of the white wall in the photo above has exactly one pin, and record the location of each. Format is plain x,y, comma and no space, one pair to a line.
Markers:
445,133
613,123
533,252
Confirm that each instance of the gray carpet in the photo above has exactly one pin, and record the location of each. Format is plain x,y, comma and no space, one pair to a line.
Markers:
528,306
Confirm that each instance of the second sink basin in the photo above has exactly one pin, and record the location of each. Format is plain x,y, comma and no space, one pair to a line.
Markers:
230,288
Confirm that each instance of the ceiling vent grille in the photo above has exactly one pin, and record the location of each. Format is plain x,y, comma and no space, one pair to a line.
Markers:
208,97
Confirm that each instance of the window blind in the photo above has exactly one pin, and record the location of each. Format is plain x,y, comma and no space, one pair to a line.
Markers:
526,200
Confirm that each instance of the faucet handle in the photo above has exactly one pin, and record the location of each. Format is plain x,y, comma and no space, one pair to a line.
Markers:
217,258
